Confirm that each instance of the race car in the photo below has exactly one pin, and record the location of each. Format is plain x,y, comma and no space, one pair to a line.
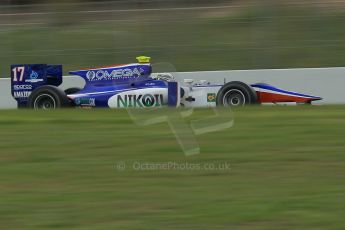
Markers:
134,86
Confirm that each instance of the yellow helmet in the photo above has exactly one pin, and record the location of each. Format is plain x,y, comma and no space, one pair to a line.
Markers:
143,59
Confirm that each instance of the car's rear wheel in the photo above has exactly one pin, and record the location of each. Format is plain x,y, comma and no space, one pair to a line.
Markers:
48,97
236,93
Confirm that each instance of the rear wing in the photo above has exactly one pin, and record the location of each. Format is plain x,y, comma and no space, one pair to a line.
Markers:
27,77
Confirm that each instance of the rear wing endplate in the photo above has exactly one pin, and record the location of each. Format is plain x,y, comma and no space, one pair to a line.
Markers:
27,77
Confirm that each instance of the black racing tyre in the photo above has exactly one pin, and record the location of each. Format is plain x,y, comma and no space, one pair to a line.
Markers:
72,90
236,93
48,97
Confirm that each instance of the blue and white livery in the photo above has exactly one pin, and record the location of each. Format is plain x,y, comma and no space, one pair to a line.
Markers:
134,86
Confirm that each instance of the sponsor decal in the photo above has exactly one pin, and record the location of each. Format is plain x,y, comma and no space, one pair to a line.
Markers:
141,100
211,97
22,87
33,77
85,101
21,94
33,80
98,75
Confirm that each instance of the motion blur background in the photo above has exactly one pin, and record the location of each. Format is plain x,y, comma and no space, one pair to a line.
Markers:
58,169
193,35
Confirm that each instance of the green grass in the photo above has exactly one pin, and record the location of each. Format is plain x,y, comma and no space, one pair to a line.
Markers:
287,171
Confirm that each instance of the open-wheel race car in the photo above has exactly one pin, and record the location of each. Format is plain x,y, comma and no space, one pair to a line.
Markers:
134,86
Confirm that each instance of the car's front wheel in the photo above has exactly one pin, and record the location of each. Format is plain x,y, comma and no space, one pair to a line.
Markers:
236,93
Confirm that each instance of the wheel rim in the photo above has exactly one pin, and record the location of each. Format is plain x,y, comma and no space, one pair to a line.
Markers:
234,97
45,101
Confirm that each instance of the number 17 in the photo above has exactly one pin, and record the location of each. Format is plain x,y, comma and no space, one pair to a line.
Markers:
20,71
